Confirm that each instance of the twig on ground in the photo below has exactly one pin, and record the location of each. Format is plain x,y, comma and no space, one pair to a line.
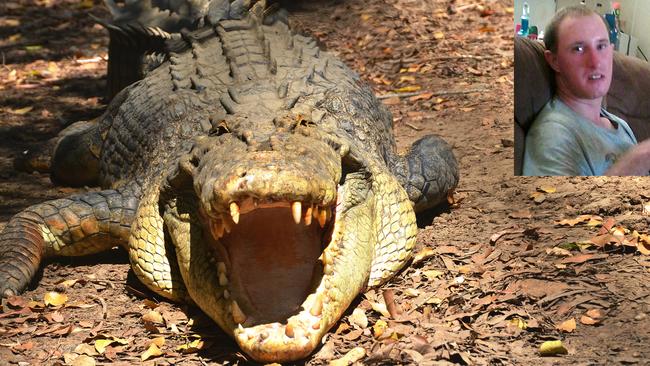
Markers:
103,302
433,94
414,127
441,58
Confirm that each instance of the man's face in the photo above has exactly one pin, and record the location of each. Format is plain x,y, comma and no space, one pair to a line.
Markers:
583,62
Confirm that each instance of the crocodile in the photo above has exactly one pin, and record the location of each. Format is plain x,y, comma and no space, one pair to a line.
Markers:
250,174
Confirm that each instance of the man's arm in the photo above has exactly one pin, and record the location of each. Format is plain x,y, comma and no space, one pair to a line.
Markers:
635,161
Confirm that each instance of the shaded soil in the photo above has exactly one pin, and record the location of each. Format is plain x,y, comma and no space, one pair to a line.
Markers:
496,274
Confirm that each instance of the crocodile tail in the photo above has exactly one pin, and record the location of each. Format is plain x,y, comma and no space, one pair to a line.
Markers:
138,31
133,50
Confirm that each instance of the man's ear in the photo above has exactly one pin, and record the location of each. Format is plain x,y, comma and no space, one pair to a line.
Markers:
551,60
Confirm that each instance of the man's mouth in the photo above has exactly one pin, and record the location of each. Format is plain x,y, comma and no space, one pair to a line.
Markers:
596,76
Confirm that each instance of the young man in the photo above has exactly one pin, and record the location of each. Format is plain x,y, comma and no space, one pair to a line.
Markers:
573,134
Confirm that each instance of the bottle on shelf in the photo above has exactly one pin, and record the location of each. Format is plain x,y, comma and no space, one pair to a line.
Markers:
525,14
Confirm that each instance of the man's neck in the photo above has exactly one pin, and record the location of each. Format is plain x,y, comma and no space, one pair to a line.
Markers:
588,108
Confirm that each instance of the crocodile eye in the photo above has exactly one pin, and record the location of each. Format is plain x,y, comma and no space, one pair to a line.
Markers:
306,123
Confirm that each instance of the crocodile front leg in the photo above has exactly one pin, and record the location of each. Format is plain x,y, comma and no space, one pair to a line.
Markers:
428,172
74,226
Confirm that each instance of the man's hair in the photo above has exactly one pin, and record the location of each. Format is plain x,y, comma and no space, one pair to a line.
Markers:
550,34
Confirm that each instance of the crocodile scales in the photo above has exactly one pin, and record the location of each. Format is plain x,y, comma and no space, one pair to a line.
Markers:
250,174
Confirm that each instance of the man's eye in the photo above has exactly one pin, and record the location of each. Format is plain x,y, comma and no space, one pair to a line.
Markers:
578,49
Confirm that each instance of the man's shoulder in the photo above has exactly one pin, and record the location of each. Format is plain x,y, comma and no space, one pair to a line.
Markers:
554,113
552,121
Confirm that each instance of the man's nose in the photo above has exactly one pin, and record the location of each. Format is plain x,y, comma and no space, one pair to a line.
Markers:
593,57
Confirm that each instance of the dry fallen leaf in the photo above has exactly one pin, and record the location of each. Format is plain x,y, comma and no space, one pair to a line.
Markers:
54,298
379,328
423,255
57,317
595,313
474,71
191,347
592,317
407,89
153,317
567,325
642,243
392,101
83,360
547,189
17,301
22,110
101,344
152,351
85,349
66,283
538,197
573,222
423,96
521,214
432,274
158,341
586,320
519,323
351,357
21,347
557,251
380,308
150,304
359,318
581,258
552,348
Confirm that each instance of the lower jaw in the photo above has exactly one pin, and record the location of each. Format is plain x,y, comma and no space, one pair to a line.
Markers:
287,341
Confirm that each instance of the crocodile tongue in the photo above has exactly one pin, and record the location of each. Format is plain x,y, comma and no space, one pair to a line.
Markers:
272,261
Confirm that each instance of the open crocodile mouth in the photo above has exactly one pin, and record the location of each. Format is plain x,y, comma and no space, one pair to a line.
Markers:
267,257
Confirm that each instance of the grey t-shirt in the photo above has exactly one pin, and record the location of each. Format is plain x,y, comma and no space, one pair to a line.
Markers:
562,142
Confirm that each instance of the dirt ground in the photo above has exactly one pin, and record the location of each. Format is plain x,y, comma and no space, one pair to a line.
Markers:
515,262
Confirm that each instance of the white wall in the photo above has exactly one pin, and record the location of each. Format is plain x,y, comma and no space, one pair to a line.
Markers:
635,20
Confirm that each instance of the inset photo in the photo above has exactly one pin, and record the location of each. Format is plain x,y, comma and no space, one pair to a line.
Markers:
582,88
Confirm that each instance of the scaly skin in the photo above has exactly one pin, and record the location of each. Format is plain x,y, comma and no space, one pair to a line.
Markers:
250,174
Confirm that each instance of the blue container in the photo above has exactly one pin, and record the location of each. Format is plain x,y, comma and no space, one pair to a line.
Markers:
523,31
613,31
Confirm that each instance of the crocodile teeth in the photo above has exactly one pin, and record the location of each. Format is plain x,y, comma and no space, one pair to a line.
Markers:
288,331
217,228
308,216
317,307
226,226
322,217
296,210
326,259
221,268
226,294
234,212
294,331
223,280
238,316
